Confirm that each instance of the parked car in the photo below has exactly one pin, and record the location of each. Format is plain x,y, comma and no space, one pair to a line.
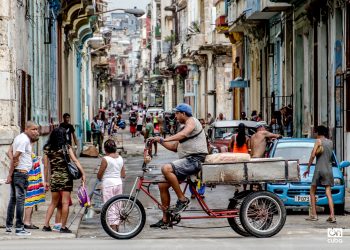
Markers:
221,132
296,194
154,110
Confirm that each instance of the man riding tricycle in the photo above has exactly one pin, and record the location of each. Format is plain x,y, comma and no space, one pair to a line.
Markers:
260,213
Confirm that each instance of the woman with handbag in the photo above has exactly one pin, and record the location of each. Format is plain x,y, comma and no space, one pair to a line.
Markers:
57,157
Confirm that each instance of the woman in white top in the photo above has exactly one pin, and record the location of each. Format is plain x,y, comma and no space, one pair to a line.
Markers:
139,125
111,172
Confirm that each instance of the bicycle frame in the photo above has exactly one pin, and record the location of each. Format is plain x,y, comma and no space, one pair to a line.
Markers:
141,184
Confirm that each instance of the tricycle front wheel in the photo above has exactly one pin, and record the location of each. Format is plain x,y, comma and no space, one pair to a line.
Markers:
262,214
122,218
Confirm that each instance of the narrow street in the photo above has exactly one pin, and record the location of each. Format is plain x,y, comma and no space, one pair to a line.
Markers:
218,197
263,78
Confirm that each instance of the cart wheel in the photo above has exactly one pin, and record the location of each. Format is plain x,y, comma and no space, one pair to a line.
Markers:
122,211
262,214
235,223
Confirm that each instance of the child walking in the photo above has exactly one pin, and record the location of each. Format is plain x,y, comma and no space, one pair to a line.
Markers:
111,172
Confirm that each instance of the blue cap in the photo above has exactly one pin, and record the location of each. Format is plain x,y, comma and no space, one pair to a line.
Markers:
183,107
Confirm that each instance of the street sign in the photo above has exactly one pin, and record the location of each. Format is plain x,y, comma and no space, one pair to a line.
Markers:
239,84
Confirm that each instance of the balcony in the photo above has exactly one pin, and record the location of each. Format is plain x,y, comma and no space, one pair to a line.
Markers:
264,9
196,41
221,24
255,9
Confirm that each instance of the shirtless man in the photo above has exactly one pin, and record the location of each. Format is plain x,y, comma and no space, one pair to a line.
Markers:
258,140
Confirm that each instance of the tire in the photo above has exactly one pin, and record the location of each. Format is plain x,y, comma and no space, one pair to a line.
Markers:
271,222
235,223
123,232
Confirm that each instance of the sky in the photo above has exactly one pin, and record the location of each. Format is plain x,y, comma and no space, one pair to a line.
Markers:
127,4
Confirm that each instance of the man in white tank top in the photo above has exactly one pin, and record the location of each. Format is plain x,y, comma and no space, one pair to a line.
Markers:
191,145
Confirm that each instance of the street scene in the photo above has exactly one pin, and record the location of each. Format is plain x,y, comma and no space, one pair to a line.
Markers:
174,124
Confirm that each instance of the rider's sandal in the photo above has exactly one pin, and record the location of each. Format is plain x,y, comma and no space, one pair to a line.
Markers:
331,220
161,224
312,218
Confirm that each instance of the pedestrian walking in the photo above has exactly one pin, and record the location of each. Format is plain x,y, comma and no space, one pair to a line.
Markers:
59,179
133,123
21,164
111,172
161,123
323,175
149,132
97,127
70,131
156,124
139,124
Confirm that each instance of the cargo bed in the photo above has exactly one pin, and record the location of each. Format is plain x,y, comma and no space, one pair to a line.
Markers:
254,171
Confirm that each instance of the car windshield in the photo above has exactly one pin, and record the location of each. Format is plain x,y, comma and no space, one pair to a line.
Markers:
220,132
296,150
227,132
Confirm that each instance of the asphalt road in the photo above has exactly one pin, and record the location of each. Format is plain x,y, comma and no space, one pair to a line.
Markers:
191,234
215,229
280,242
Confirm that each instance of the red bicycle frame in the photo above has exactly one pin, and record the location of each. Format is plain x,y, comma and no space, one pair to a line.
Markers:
143,185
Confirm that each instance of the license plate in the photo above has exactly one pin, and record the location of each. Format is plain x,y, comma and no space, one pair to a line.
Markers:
303,198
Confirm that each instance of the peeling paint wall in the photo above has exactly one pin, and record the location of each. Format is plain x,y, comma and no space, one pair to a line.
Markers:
8,96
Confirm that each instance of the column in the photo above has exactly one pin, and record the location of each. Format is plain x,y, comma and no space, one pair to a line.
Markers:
8,95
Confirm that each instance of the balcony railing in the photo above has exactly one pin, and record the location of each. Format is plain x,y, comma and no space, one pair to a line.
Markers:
196,41
255,9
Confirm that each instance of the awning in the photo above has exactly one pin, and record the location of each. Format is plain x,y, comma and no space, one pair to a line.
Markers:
239,84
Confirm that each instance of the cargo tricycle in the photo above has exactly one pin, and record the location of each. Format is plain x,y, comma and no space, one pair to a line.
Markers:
249,213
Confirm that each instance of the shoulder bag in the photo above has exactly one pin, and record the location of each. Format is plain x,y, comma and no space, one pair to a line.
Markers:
73,170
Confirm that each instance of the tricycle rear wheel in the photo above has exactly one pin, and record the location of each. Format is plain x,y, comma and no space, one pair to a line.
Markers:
262,214
235,223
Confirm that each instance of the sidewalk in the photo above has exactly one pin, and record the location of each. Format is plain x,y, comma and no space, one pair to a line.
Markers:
38,218
134,147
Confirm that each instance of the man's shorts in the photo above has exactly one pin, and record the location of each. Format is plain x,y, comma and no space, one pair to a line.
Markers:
190,165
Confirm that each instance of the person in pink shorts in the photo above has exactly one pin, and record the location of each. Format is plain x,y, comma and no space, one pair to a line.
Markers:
111,172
